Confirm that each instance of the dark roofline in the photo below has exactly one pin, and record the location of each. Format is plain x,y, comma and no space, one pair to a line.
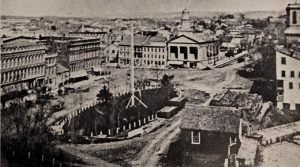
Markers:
18,37
190,39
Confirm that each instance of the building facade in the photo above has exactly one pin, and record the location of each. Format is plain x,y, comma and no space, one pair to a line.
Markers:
22,66
50,69
292,31
209,129
288,80
149,51
111,53
188,52
84,54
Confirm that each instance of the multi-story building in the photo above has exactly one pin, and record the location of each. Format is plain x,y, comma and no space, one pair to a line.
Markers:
149,51
22,65
84,54
292,31
50,69
288,80
79,55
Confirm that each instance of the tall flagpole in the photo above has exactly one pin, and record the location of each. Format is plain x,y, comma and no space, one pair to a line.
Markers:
132,67
132,99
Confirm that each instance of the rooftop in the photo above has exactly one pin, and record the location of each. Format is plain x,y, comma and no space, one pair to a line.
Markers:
220,119
289,53
141,40
235,99
61,68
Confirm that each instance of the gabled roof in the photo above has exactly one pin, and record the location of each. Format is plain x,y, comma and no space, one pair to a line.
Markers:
18,37
19,41
196,38
207,118
183,36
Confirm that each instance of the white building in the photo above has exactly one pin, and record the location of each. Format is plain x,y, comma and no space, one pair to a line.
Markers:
288,79
149,51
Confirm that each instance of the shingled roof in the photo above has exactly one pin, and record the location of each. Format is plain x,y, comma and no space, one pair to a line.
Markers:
207,118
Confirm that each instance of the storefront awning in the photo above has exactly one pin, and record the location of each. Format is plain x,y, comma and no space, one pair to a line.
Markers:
174,62
78,74
98,69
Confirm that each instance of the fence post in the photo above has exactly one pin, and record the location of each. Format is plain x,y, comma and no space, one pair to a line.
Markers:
42,157
148,118
118,130
144,120
13,153
108,132
60,165
124,127
91,134
139,122
53,162
29,155
134,124
129,126
101,133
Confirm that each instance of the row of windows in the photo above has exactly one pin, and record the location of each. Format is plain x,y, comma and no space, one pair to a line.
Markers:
159,63
155,56
21,74
50,61
291,85
84,47
21,61
147,49
50,71
85,65
83,56
292,74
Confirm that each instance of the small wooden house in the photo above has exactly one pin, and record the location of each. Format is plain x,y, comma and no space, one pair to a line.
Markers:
209,128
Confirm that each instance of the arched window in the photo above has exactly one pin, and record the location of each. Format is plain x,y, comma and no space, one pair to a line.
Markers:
294,17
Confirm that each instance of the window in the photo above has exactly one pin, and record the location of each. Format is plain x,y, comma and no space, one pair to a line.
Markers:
113,51
195,136
291,85
282,73
292,74
283,60
299,74
294,19
280,83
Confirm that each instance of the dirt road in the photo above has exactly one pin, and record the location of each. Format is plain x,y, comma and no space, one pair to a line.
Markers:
159,145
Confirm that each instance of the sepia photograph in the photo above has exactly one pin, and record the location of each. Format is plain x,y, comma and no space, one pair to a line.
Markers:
150,83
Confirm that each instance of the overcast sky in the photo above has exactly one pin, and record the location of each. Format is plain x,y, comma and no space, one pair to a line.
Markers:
114,7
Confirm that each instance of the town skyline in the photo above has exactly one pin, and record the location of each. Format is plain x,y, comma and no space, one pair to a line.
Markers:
132,8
